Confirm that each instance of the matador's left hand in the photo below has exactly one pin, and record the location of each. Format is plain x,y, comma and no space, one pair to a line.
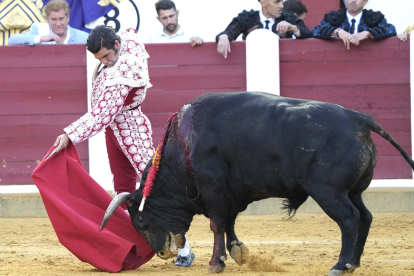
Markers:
62,141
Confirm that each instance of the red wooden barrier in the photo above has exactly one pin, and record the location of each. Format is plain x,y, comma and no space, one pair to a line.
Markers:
43,89
180,73
373,78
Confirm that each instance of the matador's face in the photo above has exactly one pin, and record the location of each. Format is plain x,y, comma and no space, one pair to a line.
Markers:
109,57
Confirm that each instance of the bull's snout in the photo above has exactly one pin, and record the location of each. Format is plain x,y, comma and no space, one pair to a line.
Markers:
166,254
172,243
162,254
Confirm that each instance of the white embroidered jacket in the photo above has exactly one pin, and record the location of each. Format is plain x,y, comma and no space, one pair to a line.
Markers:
111,88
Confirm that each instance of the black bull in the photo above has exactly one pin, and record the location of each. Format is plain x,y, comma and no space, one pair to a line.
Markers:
224,151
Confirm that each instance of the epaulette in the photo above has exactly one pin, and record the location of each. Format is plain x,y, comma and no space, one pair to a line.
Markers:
335,18
247,18
371,18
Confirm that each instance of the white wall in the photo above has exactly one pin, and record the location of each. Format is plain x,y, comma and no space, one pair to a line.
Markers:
400,13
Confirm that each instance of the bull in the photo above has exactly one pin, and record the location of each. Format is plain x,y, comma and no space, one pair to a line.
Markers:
223,151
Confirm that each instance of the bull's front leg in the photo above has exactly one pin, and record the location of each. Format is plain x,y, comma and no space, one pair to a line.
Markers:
211,179
238,250
219,250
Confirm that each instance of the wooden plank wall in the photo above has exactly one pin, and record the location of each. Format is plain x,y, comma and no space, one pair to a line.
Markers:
43,89
180,73
373,78
317,9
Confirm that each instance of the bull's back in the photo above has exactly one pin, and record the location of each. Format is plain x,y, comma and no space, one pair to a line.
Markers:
258,116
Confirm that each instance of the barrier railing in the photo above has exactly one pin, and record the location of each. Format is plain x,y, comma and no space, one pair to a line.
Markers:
44,88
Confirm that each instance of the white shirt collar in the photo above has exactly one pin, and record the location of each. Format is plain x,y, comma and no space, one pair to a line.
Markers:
357,20
263,19
180,31
67,36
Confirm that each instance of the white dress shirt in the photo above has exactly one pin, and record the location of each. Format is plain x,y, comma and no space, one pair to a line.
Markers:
357,19
162,37
44,30
263,19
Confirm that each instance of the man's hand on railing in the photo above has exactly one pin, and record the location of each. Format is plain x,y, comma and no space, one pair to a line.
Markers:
403,37
195,40
356,38
223,46
348,38
52,37
283,27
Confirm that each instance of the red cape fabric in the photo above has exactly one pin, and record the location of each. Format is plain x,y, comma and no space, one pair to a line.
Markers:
76,205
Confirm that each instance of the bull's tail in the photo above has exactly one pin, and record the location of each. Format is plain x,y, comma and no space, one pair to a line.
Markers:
375,127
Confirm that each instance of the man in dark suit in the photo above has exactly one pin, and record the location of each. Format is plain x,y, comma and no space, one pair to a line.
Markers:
354,24
270,17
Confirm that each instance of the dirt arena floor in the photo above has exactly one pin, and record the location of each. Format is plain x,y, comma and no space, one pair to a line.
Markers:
307,245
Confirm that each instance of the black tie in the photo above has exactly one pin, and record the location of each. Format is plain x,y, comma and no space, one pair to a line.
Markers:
267,24
352,26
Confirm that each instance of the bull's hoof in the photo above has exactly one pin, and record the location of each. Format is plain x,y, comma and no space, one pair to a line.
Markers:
217,268
239,252
336,272
349,269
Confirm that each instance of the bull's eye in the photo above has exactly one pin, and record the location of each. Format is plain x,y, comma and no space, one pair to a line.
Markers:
140,219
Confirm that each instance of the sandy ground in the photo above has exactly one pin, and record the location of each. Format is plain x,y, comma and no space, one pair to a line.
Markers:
307,245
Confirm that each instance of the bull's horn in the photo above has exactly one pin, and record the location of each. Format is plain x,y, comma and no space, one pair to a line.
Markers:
141,206
115,203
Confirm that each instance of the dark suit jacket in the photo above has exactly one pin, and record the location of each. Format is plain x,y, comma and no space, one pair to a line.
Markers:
373,22
247,21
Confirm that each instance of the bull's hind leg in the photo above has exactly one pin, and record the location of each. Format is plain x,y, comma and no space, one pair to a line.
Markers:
337,206
238,250
363,229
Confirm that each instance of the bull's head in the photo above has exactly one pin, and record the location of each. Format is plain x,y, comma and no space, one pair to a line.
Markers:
158,224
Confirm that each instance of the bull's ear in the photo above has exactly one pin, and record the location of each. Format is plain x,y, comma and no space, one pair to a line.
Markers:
129,202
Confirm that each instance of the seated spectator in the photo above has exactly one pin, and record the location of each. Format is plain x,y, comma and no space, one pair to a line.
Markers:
55,31
172,31
354,24
296,7
271,17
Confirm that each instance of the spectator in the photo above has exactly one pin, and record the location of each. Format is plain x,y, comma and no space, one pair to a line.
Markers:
354,24
296,7
271,17
55,31
172,31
